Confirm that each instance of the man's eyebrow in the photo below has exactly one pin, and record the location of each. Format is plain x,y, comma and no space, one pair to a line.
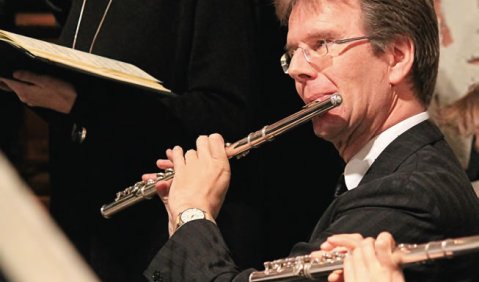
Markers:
313,36
323,34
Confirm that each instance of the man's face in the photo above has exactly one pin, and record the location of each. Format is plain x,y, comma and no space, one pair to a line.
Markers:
350,69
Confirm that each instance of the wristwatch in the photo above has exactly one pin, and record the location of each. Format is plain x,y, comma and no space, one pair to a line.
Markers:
192,214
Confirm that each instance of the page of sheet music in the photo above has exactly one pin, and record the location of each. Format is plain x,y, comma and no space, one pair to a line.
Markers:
43,48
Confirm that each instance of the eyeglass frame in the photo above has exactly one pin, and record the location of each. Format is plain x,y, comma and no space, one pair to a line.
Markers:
285,64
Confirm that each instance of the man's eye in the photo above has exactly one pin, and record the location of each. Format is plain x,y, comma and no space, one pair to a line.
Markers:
320,44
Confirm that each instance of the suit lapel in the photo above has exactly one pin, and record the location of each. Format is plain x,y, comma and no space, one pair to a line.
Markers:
400,149
389,160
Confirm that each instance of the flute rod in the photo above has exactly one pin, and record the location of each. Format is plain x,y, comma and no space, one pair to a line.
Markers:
300,267
146,189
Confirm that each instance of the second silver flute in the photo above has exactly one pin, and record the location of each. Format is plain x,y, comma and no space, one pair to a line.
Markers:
307,267
146,189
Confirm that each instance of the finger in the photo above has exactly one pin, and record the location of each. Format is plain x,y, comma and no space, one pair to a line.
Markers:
169,154
17,86
367,250
336,276
190,155
385,245
365,261
329,247
318,254
163,189
163,186
349,241
39,80
348,269
356,267
177,157
326,246
385,241
148,176
217,146
164,164
4,85
27,76
202,146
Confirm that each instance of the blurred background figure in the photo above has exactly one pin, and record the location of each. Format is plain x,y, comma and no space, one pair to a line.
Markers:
461,119
459,62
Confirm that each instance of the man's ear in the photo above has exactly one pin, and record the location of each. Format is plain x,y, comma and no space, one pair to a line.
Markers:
401,58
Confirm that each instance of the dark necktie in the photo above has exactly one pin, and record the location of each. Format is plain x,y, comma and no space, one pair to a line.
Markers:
340,186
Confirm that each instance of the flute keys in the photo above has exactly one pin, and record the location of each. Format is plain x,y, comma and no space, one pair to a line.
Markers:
128,191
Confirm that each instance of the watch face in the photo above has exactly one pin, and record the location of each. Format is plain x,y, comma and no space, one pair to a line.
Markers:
192,214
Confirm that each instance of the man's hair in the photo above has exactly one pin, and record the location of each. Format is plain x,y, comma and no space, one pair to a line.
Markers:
386,20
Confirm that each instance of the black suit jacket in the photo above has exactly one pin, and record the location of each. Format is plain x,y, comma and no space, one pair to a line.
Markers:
416,189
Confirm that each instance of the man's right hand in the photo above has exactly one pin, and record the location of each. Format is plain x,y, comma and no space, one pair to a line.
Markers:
201,178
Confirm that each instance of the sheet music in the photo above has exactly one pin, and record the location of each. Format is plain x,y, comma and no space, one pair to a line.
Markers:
52,51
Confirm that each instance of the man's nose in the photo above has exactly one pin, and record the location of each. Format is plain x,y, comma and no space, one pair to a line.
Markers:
300,69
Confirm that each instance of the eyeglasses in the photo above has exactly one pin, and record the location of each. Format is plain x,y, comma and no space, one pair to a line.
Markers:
320,49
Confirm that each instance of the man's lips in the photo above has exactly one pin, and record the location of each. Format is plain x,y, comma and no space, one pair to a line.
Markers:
320,97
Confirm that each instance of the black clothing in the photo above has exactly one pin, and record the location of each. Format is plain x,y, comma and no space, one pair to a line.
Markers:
11,110
222,60
415,189
204,51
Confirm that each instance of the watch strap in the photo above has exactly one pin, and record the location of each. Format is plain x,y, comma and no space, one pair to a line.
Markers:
180,222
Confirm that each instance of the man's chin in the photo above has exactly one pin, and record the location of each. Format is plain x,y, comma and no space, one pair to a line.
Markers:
323,127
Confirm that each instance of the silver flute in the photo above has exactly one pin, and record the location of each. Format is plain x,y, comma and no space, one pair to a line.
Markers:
306,267
146,189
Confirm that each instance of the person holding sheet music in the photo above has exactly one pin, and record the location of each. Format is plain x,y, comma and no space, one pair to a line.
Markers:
103,137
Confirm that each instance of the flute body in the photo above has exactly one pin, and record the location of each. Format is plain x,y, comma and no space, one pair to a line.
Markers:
306,267
146,189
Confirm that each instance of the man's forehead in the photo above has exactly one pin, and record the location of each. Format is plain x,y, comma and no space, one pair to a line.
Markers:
326,19
320,8
318,5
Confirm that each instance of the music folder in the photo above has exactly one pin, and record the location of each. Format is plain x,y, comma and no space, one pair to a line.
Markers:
19,52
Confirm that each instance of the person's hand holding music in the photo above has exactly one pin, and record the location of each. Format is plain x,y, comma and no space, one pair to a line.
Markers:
42,91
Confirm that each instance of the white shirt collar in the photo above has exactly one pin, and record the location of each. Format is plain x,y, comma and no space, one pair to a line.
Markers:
359,164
